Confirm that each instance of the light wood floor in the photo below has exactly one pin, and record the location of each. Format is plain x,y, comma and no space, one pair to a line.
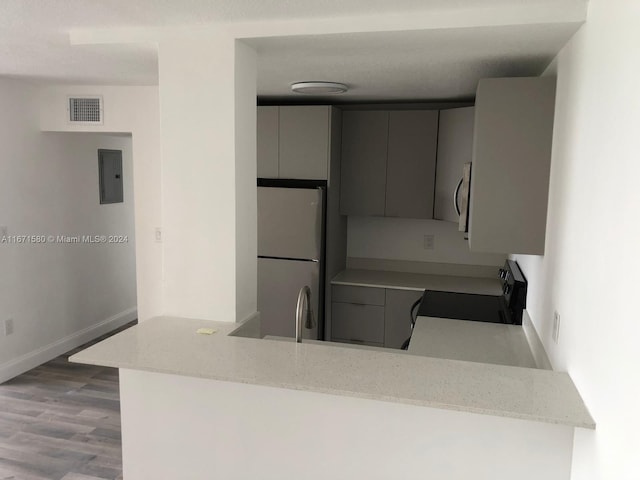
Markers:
61,421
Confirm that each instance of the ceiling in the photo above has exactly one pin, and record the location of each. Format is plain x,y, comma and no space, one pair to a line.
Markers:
440,64
427,64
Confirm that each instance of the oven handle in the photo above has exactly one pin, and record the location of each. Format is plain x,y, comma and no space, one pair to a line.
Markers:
414,312
455,196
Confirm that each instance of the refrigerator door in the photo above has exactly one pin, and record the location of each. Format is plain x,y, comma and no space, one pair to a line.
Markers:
279,282
290,223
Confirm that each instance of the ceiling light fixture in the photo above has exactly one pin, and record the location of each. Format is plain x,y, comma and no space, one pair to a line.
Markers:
317,88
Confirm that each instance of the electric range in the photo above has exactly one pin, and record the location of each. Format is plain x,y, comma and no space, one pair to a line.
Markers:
506,308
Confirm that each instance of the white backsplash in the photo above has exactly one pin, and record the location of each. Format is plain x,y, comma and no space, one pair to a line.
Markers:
403,239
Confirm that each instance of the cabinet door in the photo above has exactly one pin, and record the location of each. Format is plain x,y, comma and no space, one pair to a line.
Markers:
455,142
267,142
304,142
411,163
357,323
359,295
513,132
397,316
364,162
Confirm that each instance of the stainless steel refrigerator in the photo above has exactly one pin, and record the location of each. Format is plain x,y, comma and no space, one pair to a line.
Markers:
290,256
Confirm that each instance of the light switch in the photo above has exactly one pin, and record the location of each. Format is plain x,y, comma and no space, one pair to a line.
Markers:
8,327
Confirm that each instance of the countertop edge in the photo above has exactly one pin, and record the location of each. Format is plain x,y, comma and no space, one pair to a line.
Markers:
348,393
416,281
376,285
137,348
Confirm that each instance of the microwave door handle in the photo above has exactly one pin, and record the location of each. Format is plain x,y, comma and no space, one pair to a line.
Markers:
455,196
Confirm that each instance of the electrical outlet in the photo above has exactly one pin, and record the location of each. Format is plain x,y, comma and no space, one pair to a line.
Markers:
429,242
555,333
8,327
158,235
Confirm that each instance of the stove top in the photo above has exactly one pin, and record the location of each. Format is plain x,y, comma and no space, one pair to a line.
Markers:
505,308
464,306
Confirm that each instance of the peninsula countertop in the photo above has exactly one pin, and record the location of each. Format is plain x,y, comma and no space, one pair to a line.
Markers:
172,345
418,281
484,342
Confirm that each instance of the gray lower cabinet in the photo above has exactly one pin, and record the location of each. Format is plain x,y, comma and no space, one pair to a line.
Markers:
397,316
357,315
358,295
371,316
388,163
357,323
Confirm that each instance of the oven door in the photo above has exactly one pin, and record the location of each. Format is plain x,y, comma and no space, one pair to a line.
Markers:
462,197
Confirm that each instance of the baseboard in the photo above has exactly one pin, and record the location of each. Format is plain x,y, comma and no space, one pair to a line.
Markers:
537,348
30,360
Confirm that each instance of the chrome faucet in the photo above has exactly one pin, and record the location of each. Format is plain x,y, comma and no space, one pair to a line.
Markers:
304,296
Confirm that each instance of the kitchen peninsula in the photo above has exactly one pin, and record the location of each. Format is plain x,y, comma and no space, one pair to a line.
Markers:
230,407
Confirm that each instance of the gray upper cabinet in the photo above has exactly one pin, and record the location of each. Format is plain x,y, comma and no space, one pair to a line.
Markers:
364,162
388,163
513,132
293,142
267,142
304,142
411,163
455,147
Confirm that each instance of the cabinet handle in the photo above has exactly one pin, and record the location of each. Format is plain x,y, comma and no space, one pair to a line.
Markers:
455,196
356,340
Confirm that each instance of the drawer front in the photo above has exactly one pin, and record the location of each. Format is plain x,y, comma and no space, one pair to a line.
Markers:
360,295
397,316
355,342
357,323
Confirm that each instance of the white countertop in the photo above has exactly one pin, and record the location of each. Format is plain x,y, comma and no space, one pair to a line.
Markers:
494,343
171,345
418,281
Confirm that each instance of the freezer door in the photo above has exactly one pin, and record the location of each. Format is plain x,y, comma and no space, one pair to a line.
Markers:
290,222
279,282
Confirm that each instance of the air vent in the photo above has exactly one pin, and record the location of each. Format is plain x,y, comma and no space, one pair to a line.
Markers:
85,110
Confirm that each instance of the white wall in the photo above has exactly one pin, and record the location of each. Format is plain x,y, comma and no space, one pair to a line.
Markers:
58,294
246,172
208,119
589,273
134,110
238,431
403,239
194,173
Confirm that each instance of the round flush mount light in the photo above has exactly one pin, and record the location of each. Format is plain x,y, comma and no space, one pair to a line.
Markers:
317,88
